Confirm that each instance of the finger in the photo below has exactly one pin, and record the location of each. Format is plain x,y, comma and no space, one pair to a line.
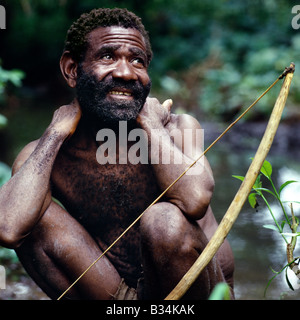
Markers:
168,104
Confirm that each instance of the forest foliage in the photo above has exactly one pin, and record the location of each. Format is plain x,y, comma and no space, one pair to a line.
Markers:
211,56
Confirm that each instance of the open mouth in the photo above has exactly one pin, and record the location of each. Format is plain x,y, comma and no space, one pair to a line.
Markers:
120,93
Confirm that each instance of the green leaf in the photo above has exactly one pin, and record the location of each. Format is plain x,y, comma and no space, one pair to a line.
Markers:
239,177
286,184
252,200
266,190
283,224
257,183
266,169
270,226
220,292
5,173
3,121
274,271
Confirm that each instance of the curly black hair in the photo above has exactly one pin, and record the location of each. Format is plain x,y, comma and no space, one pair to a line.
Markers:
76,40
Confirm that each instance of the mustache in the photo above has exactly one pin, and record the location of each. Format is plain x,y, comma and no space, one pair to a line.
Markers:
134,86
88,82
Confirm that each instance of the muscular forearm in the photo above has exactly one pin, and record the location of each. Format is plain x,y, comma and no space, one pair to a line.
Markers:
192,193
26,195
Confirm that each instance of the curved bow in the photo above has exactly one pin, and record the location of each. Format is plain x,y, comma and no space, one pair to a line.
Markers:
242,194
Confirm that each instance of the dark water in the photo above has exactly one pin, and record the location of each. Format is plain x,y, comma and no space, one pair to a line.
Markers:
255,248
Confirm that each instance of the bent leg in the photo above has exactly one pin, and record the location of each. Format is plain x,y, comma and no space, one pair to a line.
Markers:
58,251
224,255
170,245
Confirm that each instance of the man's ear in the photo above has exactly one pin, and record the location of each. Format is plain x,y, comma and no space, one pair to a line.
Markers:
68,67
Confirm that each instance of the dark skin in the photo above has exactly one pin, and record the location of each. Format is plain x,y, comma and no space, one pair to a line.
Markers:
57,244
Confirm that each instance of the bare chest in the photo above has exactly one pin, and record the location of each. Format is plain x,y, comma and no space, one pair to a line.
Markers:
103,198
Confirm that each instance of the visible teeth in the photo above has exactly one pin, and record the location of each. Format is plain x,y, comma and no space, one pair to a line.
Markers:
121,93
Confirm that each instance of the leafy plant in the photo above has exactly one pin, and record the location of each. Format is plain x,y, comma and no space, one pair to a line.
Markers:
219,53
14,77
220,292
289,218
3,121
5,173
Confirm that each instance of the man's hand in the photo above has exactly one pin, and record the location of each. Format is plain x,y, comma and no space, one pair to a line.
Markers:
154,114
66,119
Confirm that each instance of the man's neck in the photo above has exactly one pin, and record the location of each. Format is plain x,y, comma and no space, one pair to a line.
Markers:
94,124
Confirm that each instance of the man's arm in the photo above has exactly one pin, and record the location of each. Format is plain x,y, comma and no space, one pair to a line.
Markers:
167,135
26,196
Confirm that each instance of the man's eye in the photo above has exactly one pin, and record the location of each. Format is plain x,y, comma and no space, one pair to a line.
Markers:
107,56
138,62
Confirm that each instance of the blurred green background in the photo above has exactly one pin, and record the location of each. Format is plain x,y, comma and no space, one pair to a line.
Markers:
212,57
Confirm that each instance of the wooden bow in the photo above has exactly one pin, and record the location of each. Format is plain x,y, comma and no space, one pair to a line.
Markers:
242,194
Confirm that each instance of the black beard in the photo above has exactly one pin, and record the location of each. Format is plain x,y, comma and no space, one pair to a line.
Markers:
92,97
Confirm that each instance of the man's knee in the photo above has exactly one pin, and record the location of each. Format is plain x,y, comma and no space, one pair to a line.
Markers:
160,221
164,227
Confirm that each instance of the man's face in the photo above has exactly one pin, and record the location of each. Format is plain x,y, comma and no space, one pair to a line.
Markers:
112,81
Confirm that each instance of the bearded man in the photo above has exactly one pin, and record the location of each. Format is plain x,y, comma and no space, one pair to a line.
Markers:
106,58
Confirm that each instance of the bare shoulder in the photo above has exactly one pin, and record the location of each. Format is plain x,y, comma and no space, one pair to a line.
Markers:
24,155
183,121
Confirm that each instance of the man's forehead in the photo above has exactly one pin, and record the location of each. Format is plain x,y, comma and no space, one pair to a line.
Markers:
116,35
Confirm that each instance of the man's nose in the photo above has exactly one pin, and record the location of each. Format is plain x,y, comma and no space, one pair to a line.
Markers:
124,70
